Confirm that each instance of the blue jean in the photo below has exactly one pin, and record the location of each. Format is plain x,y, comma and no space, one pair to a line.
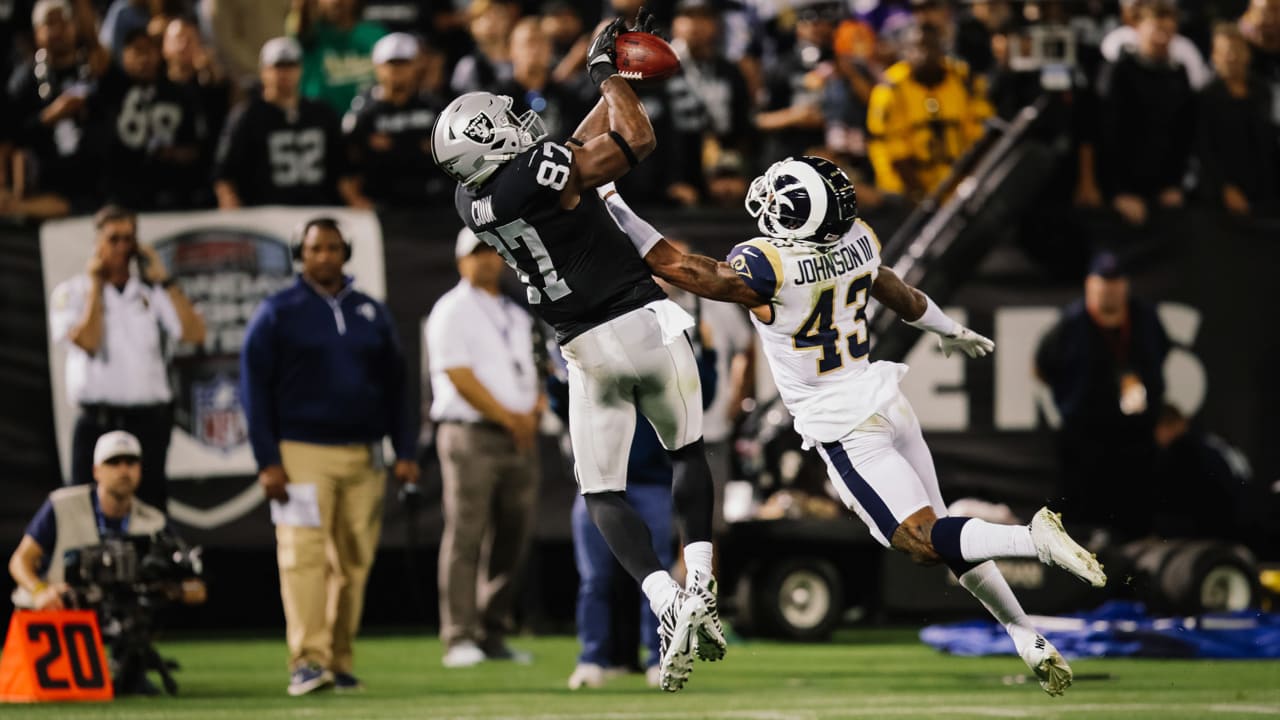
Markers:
595,572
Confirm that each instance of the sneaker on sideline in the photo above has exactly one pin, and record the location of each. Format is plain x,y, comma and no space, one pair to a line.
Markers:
464,654
346,683
309,678
506,652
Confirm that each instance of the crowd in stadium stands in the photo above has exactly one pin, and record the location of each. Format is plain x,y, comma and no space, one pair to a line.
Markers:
184,104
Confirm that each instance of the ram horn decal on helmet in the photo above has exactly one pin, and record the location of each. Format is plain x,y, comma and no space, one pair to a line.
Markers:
805,199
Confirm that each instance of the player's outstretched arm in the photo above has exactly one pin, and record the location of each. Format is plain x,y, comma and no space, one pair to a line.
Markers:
700,275
919,310
616,135
697,274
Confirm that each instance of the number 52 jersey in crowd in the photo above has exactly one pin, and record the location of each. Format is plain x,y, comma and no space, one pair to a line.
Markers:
578,268
278,157
817,343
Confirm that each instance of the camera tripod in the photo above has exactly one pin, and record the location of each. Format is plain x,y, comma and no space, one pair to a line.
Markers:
132,654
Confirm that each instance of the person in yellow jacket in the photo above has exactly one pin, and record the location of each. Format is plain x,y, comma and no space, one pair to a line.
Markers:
923,116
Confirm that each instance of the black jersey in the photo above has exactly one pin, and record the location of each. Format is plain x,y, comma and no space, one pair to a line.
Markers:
151,134
273,157
391,146
579,269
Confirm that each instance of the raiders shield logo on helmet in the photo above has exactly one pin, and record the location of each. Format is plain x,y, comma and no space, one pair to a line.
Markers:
480,129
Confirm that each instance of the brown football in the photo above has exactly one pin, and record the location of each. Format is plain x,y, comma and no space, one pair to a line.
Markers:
645,57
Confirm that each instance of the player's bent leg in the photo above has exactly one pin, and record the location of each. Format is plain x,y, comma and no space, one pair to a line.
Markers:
985,583
973,540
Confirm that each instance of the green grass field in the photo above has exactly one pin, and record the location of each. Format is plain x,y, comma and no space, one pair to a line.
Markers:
865,674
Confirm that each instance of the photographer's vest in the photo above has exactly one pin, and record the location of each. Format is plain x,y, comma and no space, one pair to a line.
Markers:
78,526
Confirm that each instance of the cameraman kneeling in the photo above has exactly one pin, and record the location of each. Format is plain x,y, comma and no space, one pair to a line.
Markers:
79,516
83,516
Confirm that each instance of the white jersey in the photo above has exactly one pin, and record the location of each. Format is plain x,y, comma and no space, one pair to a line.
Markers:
817,343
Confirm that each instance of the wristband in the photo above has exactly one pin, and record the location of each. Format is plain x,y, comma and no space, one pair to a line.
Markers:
934,320
168,283
574,141
626,149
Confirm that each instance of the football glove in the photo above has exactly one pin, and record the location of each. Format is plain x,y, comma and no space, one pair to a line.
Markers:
966,341
646,23
602,53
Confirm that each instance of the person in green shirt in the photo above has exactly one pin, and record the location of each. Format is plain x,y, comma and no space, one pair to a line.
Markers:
336,45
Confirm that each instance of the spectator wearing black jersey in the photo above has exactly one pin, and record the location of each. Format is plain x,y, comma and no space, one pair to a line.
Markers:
150,133
490,23
47,103
1237,144
531,85
1147,119
279,148
792,119
388,130
190,64
708,104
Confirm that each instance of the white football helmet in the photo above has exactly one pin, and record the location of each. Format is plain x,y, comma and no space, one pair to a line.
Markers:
477,133
806,199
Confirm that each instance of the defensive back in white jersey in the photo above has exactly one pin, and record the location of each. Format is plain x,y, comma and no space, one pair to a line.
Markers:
817,339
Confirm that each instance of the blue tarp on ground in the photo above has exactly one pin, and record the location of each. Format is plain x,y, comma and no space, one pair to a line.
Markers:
1124,629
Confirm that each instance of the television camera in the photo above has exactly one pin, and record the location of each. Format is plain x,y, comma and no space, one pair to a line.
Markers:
128,580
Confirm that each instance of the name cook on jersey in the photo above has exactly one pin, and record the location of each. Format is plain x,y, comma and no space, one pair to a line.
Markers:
482,211
839,261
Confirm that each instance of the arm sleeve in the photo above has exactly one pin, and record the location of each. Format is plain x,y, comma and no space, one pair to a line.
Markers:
66,306
257,376
758,264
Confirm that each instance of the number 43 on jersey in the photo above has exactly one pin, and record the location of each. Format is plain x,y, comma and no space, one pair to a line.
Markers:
820,330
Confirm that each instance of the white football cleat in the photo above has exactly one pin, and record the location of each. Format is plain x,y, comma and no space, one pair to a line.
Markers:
1047,663
677,629
1055,547
711,644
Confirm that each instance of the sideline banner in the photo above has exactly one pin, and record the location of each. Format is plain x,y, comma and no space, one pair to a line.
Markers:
226,263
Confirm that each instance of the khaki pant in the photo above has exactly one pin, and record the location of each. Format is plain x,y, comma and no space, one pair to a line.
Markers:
323,570
490,497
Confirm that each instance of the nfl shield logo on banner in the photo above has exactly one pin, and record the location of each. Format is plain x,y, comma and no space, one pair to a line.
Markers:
218,422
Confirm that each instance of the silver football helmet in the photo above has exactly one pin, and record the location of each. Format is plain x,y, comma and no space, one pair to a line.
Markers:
805,199
478,132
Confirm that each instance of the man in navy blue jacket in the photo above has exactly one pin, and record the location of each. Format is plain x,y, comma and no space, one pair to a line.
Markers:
323,381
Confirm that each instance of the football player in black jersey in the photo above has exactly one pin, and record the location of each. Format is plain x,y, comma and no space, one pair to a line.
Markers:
535,202
280,148
388,130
